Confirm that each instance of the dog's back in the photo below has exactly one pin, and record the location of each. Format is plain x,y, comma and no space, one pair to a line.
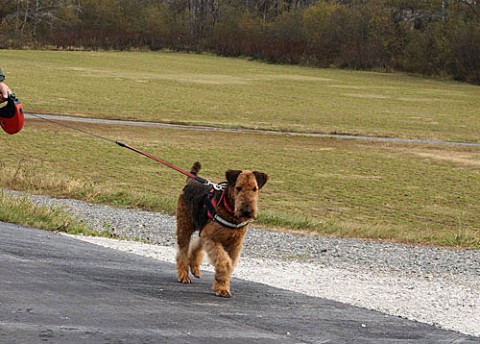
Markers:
194,194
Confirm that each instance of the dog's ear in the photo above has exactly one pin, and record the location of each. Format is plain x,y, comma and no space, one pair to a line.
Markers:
261,178
232,176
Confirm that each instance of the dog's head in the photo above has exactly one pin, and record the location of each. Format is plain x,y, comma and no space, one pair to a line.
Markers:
244,188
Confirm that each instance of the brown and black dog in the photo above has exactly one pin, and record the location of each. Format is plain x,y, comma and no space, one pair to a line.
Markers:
222,217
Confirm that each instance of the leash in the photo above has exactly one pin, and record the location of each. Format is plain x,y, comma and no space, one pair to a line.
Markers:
178,169
136,150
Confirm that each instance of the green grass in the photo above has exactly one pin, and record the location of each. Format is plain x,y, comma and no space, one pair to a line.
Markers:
203,89
397,192
21,210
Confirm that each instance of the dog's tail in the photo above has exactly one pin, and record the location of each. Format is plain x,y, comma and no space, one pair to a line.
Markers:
195,169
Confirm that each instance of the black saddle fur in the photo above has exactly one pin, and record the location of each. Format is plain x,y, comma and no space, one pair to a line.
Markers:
194,194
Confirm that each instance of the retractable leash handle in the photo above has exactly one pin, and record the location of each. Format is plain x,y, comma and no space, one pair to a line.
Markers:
11,115
188,174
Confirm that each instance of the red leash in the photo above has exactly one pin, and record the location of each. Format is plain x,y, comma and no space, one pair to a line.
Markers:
178,169
136,150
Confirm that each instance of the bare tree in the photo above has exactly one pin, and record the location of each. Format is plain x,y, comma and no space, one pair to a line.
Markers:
34,13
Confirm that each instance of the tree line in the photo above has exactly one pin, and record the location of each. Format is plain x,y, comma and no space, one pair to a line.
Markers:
428,37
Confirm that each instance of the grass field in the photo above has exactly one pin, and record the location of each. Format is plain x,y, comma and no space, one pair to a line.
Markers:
397,192
202,89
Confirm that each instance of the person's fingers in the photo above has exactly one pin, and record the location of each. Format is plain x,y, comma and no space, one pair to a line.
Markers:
4,92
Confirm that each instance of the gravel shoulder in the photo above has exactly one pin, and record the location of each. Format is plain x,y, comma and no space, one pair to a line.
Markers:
430,285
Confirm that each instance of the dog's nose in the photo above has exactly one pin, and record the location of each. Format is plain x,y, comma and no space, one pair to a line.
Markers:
247,213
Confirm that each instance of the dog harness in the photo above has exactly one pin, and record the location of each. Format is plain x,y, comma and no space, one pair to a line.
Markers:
211,204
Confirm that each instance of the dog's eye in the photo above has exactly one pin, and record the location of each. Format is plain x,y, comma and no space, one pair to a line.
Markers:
255,189
239,188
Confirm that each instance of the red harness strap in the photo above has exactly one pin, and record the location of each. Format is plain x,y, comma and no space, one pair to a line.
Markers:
225,204
211,205
214,203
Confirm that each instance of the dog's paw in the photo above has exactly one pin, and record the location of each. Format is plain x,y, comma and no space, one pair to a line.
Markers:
222,292
186,280
195,271
183,278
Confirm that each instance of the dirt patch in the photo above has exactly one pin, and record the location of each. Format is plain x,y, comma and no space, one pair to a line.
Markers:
294,77
197,78
366,96
455,157
347,176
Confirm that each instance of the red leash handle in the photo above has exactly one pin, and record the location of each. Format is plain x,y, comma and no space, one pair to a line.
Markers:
11,115
178,169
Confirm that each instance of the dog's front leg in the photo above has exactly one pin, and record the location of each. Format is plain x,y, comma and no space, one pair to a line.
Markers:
234,252
223,267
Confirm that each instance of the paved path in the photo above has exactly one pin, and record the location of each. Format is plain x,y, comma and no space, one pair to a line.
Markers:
239,130
56,289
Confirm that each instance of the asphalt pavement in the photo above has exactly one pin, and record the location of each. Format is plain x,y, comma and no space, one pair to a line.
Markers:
56,289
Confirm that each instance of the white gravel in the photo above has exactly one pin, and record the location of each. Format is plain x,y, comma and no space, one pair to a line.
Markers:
430,285
448,302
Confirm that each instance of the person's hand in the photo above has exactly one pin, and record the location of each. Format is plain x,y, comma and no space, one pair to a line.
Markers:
4,92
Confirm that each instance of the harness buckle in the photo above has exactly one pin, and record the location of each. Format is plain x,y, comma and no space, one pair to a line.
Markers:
216,187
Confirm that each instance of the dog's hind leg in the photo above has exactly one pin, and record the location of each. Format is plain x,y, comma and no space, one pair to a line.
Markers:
196,257
185,230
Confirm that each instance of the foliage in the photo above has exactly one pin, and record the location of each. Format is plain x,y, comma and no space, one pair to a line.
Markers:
437,38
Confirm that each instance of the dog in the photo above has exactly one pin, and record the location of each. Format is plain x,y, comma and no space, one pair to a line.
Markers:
222,217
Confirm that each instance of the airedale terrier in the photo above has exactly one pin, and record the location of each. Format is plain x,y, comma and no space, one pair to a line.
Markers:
222,217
